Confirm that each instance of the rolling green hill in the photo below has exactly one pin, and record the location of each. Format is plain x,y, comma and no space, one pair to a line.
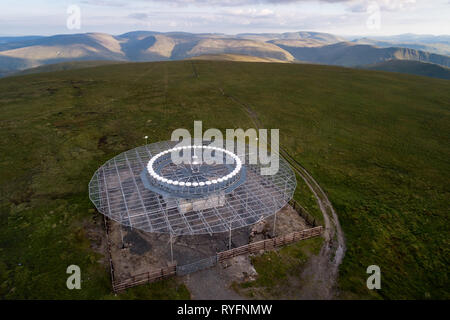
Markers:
67,66
412,67
378,144
235,57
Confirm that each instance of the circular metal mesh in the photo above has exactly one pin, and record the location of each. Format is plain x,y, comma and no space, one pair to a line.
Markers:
193,171
121,190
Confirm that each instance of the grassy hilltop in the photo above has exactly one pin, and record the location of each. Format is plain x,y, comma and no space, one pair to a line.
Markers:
378,143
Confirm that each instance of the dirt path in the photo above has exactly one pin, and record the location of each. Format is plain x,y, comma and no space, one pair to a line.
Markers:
203,284
212,284
319,276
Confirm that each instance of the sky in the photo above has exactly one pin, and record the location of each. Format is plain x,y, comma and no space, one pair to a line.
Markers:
341,17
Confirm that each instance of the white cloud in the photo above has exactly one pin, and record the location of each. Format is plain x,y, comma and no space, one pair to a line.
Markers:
229,16
138,16
385,5
250,12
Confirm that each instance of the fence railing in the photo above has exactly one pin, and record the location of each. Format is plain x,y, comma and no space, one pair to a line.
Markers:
269,244
146,277
304,213
254,247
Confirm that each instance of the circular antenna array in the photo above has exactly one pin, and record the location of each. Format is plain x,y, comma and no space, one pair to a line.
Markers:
188,190
193,171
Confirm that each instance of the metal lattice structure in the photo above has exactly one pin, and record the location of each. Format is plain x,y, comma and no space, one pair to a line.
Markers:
144,189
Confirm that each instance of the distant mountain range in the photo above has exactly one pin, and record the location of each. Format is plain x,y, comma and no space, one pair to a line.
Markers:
20,53
351,54
434,44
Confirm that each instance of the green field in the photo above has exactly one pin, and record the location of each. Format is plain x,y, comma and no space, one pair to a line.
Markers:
378,143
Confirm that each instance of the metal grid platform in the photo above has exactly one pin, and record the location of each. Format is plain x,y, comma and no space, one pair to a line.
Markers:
118,191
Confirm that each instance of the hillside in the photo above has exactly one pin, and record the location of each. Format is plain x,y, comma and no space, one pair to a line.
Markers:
61,48
376,142
242,47
319,37
23,53
412,67
351,54
67,66
438,48
235,57
19,53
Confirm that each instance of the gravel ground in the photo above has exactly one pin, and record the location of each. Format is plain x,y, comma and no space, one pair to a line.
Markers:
215,283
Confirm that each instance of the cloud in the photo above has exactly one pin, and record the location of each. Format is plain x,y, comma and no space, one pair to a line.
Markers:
355,5
106,3
138,16
393,5
249,13
211,3
267,17
385,5
231,3
235,16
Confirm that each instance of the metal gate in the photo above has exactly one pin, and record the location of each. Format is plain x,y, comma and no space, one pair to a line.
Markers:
197,265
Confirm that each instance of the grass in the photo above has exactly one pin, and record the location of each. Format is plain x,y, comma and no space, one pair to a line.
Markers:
376,142
169,289
306,198
67,66
277,270
412,67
